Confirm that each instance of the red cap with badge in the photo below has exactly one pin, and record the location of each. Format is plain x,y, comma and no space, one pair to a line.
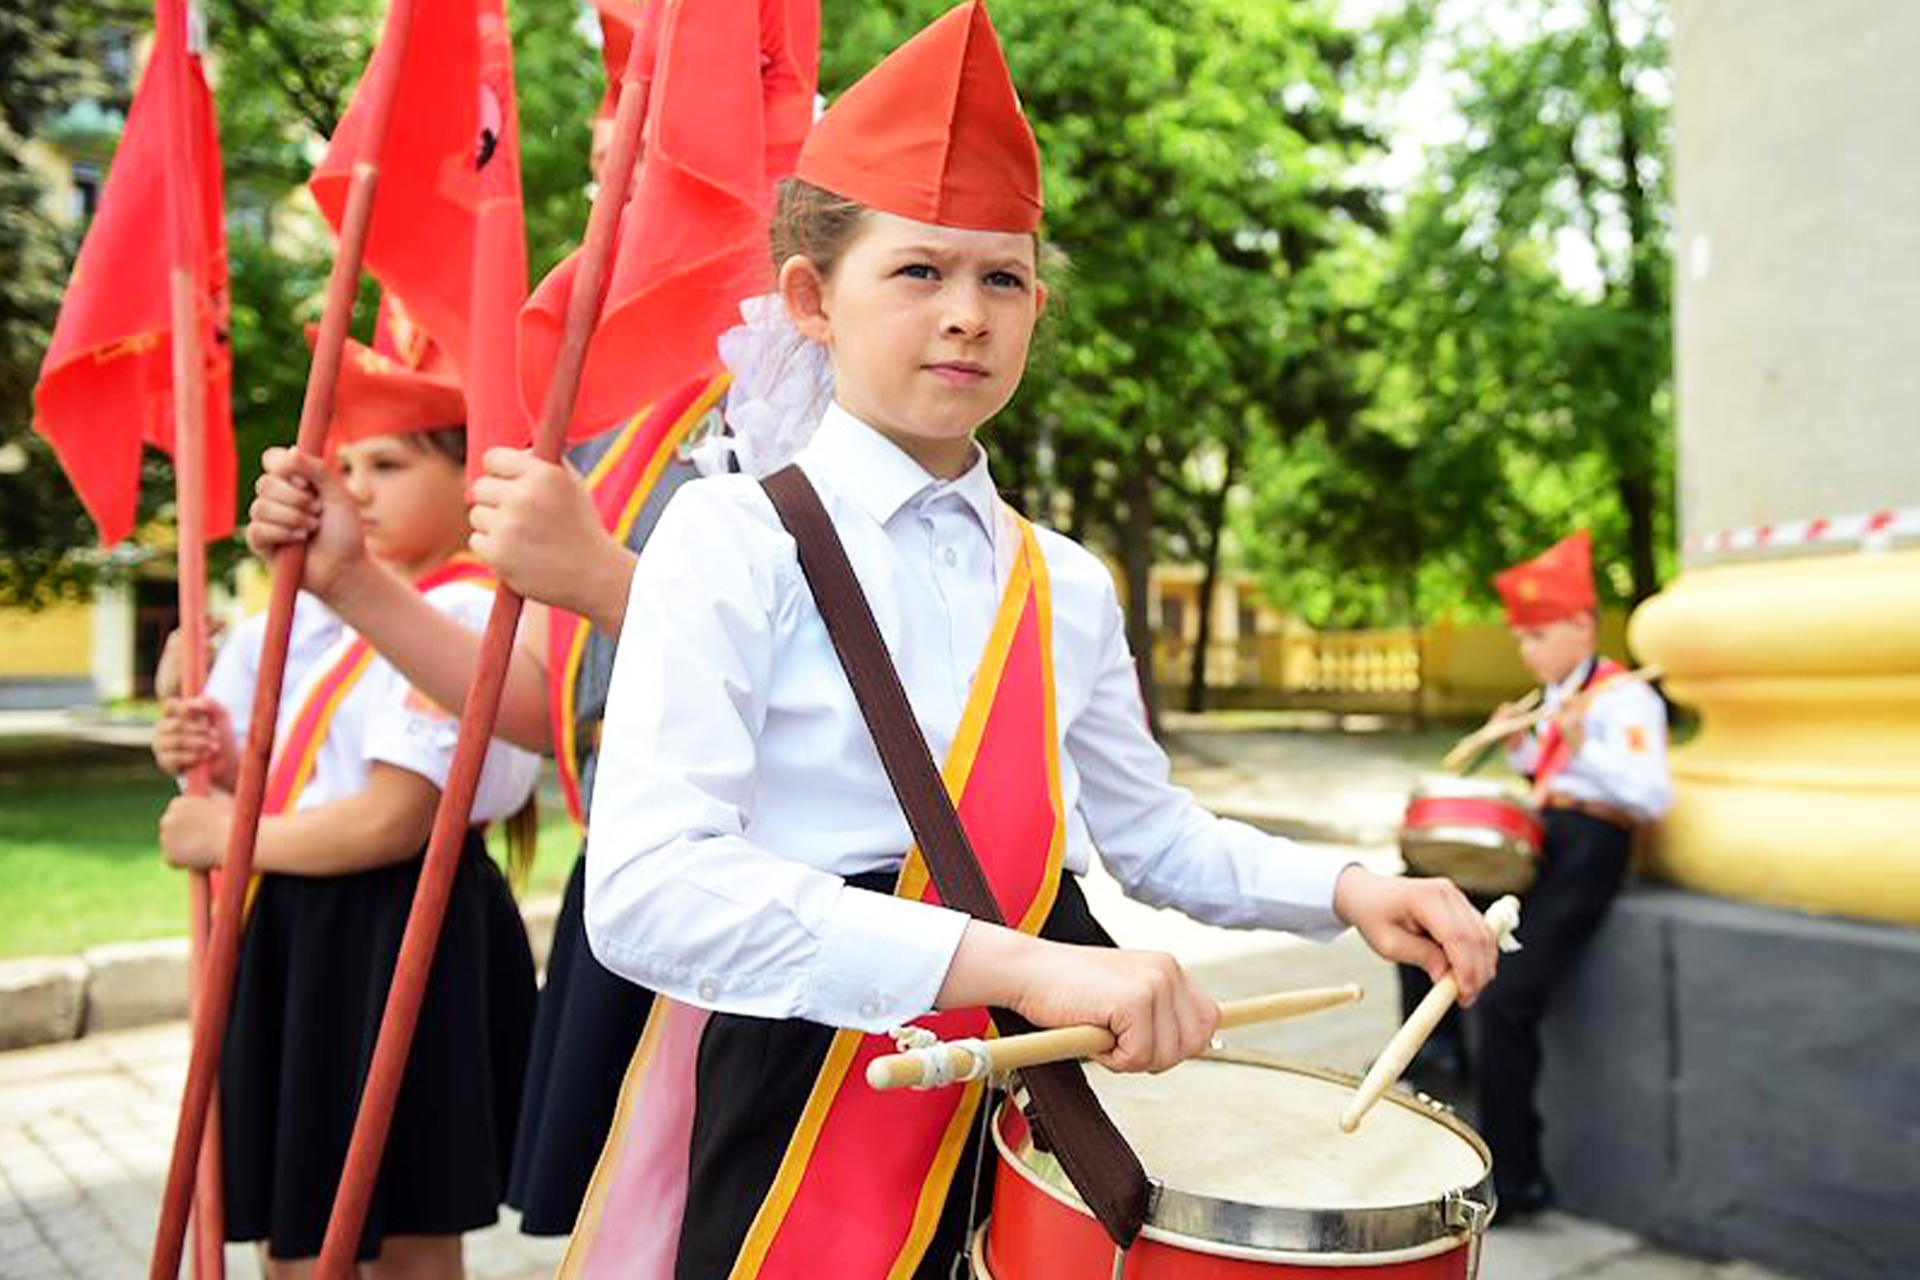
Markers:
934,133
1556,584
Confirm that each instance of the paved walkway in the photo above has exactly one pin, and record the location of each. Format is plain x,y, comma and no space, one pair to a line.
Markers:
86,1127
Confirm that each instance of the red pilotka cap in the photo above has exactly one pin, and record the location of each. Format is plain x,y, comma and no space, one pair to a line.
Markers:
403,383
934,133
1556,584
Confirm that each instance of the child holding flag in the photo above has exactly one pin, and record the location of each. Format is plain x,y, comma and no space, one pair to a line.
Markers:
747,847
351,794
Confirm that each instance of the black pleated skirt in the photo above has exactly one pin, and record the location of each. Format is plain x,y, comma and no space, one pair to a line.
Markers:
588,1021
316,961
754,1078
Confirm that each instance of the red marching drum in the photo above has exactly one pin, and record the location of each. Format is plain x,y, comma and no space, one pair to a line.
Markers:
1252,1179
1480,835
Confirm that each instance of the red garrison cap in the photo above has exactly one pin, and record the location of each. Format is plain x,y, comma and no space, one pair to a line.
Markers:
1556,584
934,133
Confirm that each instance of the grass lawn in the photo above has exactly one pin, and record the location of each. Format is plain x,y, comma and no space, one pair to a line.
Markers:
78,861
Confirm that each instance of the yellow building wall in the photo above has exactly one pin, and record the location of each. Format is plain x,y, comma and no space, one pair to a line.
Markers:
1468,668
48,642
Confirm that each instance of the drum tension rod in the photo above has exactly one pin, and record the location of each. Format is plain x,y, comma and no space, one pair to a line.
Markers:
1120,1251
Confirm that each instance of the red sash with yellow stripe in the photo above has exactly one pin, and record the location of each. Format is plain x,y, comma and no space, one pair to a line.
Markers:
866,1173
299,748
1554,755
619,485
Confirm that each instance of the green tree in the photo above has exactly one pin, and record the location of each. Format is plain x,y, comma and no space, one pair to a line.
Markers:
1523,318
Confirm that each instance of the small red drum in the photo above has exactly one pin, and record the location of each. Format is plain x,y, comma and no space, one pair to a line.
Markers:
1253,1180
1480,835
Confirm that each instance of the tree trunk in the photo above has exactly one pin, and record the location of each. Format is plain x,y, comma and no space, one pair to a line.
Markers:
1136,558
1213,520
1636,484
1637,500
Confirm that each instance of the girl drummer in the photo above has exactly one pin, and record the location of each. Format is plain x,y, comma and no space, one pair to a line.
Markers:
351,796
747,847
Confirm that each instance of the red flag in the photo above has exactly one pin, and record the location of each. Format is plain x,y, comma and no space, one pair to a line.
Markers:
621,22
448,231
106,384
730,78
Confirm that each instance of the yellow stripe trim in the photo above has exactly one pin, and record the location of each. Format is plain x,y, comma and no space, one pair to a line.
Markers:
773,1211
310,754
671,441
668,444
934,1191
587,1223
1043,901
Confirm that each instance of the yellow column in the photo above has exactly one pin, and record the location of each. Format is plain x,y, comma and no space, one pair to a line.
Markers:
1802,788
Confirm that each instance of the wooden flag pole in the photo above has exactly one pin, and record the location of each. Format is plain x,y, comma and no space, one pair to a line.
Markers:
289,564
190,507
337,1252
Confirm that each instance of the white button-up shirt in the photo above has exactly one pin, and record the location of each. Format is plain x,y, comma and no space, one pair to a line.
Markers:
381,720
1622,759
738,785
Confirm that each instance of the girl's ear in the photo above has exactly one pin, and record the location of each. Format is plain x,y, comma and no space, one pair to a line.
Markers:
1040,296
805,293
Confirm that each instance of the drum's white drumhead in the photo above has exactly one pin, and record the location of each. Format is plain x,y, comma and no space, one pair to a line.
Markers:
1271,1136
1452,786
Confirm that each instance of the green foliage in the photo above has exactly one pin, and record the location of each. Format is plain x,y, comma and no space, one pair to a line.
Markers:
1522,318
1391,396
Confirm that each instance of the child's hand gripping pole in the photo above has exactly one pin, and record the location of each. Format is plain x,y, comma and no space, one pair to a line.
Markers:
1503,917
926,1063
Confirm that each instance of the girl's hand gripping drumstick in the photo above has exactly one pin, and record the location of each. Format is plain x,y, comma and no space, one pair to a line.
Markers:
926,1063
1503,917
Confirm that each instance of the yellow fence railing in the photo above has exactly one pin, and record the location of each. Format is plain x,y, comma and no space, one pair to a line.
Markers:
1445,668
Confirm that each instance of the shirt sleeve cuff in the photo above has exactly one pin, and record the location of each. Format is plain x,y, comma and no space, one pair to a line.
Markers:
881,962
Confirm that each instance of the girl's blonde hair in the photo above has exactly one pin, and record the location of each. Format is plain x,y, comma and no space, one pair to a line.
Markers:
523,842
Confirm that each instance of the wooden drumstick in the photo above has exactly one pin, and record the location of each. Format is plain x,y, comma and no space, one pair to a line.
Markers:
950,1062
1494,730
1502,918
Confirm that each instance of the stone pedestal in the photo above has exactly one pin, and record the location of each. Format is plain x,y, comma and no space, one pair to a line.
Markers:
1802,788
1737,1080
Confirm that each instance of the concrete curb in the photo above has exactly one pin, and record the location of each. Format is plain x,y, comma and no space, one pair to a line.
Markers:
49,999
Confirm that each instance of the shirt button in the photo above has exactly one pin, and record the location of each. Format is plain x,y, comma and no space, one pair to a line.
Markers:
709,990
870,1009
953,557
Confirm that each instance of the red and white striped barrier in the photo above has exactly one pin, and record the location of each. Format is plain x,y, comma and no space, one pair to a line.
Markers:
1869,531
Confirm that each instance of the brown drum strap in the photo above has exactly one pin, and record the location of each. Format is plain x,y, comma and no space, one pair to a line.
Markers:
1104,1169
